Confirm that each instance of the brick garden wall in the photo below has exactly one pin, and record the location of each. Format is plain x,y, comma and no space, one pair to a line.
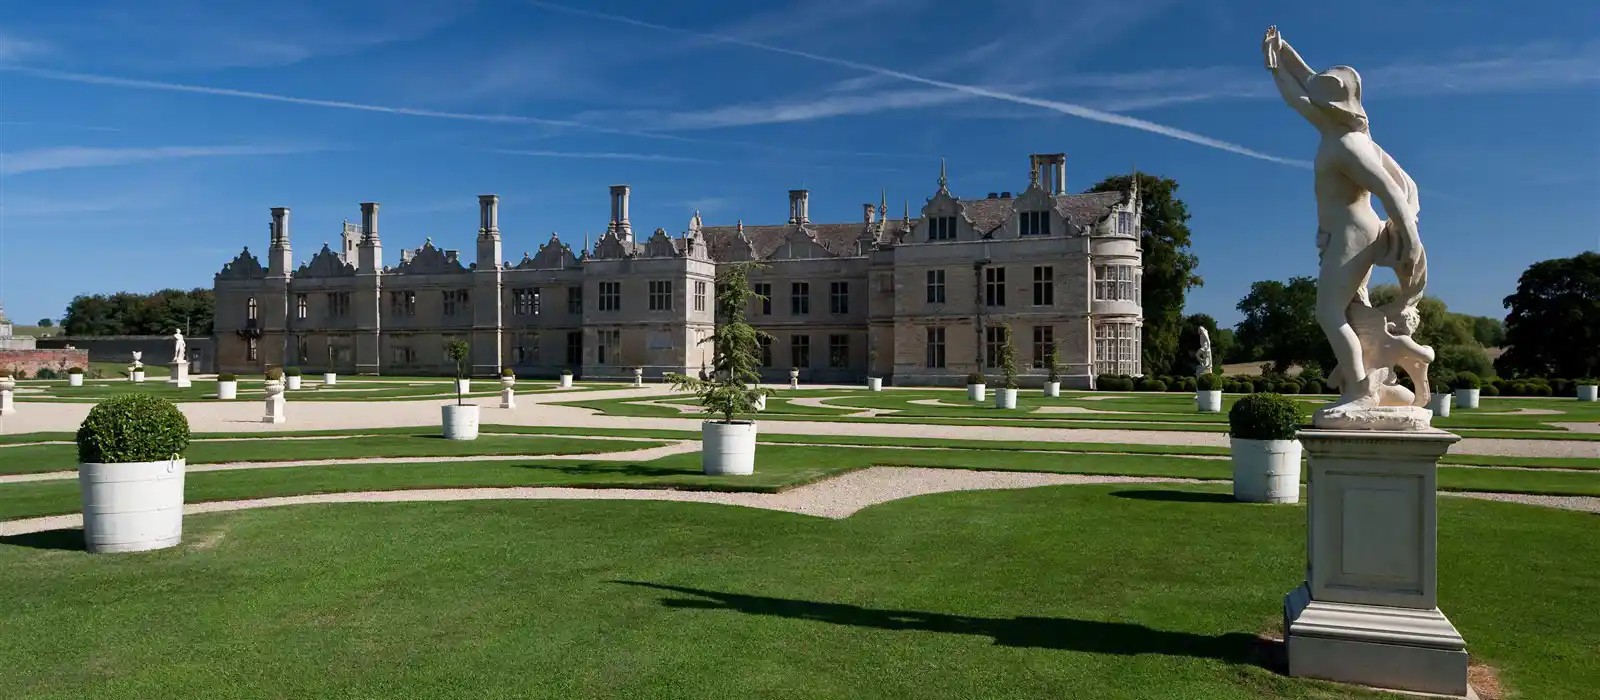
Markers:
31,361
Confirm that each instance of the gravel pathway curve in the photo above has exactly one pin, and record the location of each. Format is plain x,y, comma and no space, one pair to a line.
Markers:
1587,504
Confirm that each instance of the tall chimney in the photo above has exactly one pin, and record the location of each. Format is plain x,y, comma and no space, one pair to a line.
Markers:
619,211
369,222
280,226
797,206
868,211
489,214
1061,173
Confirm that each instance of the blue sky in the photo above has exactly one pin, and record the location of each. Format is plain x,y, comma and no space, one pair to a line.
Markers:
143,143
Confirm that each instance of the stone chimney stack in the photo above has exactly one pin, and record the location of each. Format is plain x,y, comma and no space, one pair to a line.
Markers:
370,251
280,226
798,203
489,215
279,259
868,211
1054,166
619,211
369,222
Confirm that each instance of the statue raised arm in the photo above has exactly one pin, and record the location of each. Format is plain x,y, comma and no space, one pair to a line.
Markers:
1349,168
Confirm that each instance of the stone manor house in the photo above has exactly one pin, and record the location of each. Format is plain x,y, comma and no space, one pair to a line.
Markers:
917,300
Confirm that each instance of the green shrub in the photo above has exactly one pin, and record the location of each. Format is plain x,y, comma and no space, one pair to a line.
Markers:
1230,387
4,373
75,370
1587,381
974,378
274,374
1489,390
508,372
132,428
1289,387
1207,382
45,373
1265,417
1541,390
291,372
1152,385
566,372
1563,387
226,377
1188,384
1247,387
1518,388
1467,380
1313,386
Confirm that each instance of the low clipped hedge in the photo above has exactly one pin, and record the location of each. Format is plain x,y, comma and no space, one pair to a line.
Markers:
225,377
75,370
1265,417
132,428
975,378
291,372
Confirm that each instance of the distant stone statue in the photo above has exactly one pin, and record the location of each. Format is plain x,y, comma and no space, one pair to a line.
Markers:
178,348
1202,356
1350,167
137,356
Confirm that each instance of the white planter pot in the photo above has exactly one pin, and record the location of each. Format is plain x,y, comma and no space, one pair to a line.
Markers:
330,378
566,381
227,391
1208,401
1052,390
1005,398
1588,393
464,386
132,507
1266,471
460,422
291,382
1467,398
728,449
975,392
74,380
874,383
761,402
138,376
1440,405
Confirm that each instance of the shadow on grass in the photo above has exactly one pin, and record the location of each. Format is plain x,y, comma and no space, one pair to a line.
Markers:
1176,496
70,539
1120,638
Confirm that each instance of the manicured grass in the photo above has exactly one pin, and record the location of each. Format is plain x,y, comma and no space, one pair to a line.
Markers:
779,467
1116,592
29,459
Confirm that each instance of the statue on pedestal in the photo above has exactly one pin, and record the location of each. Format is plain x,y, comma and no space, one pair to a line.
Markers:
178,354
137,356
1202,356
1367,341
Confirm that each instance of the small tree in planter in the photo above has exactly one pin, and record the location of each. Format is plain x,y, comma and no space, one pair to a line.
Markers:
130,470
75,376
1006,396
1208,393
732,387
227,386
874,382
1266,455
1467,386
330,376
566,378
1052,362
975,387
460,420
291,378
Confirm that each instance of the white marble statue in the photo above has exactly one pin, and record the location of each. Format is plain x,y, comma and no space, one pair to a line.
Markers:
1202,356
1350,167
178,354
137,357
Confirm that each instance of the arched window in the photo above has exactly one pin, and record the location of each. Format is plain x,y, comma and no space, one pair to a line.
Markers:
250,309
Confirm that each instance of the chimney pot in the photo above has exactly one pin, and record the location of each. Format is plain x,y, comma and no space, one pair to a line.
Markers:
489,213
369,221
1005,195
994,195
280,225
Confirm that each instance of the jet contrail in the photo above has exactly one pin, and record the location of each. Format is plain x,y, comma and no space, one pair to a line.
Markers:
1068,108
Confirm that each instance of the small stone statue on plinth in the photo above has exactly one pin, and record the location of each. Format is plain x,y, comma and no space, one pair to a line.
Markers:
275,402
1202,355
180,362
508,397
8,386
1368,611
638,376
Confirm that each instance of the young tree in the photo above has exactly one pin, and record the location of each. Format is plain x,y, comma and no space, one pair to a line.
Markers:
1052,362
1008,357
1553,326
1168,265
731,386
1280,324
458,351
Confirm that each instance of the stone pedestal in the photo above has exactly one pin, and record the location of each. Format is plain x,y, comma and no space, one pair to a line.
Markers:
1368,612
180,374
508,397
275,403
7,404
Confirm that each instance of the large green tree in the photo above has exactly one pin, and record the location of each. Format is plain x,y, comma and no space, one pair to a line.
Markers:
1185,364
1553,328
1280,325
1168,265
1453,336
128,313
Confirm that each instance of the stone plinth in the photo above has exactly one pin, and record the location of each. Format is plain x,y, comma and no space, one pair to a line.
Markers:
1368,611
7,404
180,374
508,397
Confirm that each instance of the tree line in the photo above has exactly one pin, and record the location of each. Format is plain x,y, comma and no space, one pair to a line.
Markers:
130,313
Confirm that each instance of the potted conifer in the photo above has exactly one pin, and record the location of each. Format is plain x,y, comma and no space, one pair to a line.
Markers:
728,445
975,387
227,386
460,418
130,470
1468,386
291,378
1006,395
1208,393
1262,430
75,376
874,382
1052,383
329,376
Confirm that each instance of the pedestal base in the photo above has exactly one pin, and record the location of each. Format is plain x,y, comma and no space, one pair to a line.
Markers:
508,398
1383,647
275,406
180,374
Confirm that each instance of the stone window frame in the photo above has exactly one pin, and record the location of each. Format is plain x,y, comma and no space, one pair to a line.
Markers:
1044,285
1033,223
607,339
610,296
1117,348
251,308
251,350
660,295
575,299
839,297
942,228
525,301
763,290
935,347
800,351
994,286
699,295
799,298
994,338
1117,282
838,350
766,350
1044,338
302,310
935,286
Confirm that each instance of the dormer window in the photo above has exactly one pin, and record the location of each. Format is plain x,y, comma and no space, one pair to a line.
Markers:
941,228
1125,223
1033,223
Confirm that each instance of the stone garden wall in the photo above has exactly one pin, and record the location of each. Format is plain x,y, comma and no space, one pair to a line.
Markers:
31,361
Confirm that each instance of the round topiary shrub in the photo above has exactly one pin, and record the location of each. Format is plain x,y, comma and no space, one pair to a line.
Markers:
132,428
508,372
1187,384
1489,390
1518,388
1290,387
75,370
226,377
1265,417
1246,387
274,375
291,372
1207,382
1563,387
1542,390
1152,385
1467,380
1312,386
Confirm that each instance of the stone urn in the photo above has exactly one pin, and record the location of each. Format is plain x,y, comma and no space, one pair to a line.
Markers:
507,394
638,376
275,402
794,378
8,387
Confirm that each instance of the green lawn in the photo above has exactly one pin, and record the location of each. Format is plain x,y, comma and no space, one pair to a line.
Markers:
29,459
778,467
1105,592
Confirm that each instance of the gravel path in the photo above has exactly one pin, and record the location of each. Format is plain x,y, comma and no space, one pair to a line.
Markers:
1587,504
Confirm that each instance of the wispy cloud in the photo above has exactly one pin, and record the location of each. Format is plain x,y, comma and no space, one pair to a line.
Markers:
57,125
589,155
786,111
82,157
14,48
1067,108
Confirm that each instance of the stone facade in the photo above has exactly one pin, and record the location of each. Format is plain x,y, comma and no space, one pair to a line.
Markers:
922,298
30,362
